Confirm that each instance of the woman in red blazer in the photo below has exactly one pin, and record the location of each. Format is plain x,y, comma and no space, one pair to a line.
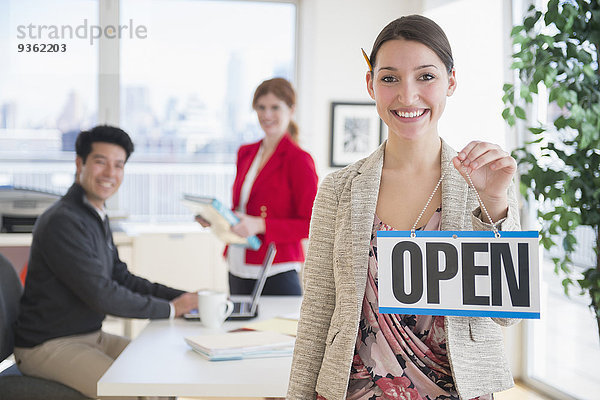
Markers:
273,194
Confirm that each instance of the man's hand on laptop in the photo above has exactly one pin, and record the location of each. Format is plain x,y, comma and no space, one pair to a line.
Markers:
185,303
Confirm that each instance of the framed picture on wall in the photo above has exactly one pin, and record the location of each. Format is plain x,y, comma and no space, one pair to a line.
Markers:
356,131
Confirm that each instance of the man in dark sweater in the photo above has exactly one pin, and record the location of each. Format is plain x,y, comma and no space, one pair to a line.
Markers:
75,276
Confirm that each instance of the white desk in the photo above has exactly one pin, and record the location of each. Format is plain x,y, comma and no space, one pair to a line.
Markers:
159,363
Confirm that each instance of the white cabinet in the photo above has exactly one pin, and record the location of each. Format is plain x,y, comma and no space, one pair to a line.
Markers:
188,261
184,260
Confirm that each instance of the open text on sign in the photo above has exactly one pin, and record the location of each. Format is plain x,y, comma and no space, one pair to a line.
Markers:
464,273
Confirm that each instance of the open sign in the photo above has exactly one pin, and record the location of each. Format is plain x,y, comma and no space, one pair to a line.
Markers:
465,273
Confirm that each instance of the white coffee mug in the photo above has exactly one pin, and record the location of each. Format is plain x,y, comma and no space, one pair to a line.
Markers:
213,308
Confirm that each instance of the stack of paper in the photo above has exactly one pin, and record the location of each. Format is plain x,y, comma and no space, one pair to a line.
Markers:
278,324
240,345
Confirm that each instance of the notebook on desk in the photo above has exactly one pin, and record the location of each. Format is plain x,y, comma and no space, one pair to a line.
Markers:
246,306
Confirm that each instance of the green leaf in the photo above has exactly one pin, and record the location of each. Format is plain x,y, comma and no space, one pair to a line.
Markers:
547,243
568,10
560,122
537,131
589,71
588,133
572,123
516,30
524,91
569,242
533,87
538,140
566,283
522,40
564,224
584,57
571,50
511,120
520,113
577,113
550,77
571,96
560,21
506,113
552,13
517,65
529,23
555,93
596,301
539,75
523,188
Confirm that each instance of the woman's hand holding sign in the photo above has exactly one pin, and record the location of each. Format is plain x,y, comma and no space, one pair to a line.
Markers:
491,170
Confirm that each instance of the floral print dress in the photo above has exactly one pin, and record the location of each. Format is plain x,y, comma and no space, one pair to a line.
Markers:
399,356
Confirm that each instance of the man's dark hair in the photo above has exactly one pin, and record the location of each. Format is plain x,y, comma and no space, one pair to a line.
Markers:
102,133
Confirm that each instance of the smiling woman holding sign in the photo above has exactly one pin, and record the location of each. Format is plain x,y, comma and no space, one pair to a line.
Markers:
345,348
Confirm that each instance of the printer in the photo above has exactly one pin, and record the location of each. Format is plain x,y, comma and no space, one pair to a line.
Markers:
20,207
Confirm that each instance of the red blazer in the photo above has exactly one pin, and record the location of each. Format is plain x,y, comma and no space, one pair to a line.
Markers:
283,194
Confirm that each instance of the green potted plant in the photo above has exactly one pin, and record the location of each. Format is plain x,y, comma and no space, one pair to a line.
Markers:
556,58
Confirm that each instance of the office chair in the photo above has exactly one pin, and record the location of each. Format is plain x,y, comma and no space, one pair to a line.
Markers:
14,385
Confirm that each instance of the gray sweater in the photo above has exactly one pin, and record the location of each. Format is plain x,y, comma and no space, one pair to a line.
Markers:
75,277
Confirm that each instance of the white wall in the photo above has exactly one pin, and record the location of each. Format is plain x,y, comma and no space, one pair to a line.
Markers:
475,30
331,66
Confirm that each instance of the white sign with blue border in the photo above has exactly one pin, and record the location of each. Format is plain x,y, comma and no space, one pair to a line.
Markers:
461,273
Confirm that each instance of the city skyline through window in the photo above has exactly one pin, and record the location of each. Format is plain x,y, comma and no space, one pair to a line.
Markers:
186,90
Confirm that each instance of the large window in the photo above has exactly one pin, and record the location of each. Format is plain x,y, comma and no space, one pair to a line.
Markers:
185,74
48,76
562,347
563,350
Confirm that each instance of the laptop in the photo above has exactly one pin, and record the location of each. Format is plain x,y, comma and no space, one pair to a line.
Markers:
246,306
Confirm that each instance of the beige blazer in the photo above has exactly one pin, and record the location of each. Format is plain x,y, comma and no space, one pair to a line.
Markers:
335,275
